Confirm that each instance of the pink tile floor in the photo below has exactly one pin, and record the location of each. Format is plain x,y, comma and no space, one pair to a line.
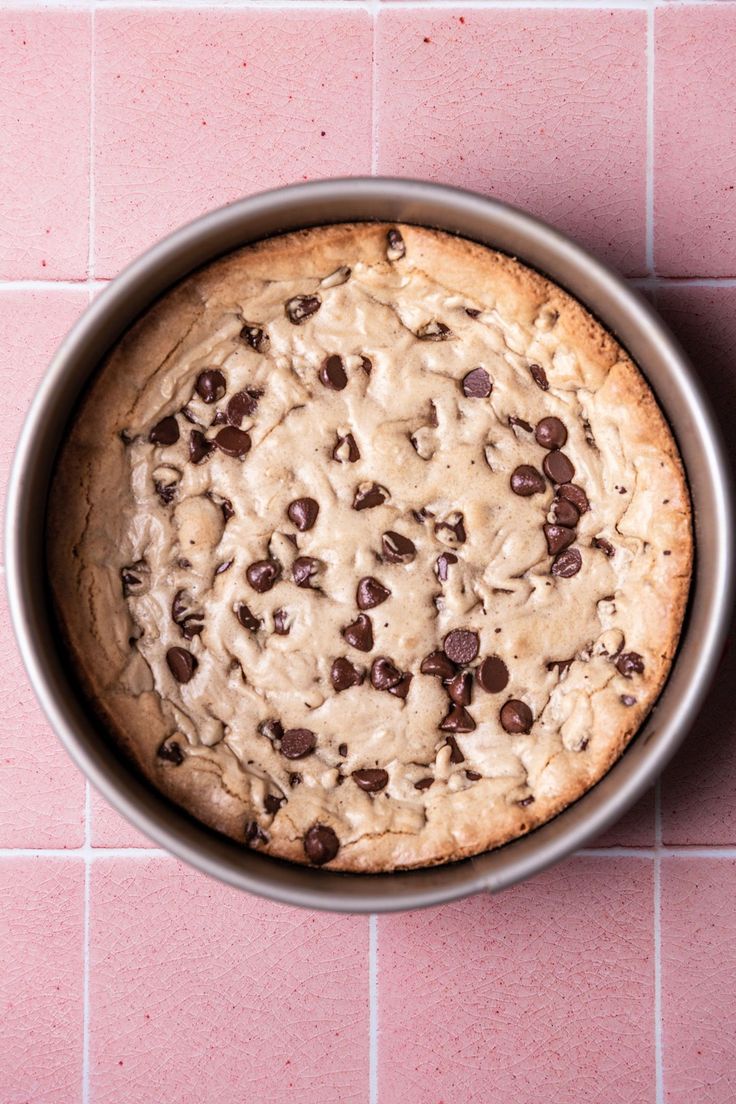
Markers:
126,978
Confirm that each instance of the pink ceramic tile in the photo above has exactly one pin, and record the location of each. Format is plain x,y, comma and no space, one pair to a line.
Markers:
41,791
109,829
195,109
32,323
695,155
634,829
198,989
699,980
41,916
698,799
545,109
549,985
44,144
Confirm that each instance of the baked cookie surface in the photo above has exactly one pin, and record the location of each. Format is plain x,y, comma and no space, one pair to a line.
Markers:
371,547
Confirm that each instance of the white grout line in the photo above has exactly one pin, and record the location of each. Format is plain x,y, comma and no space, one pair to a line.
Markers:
85,959
659,1071
373,1010
51,285
650,144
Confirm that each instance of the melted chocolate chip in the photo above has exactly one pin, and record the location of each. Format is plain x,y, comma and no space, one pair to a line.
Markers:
524,801
165,432
443,564
526,481
539,376
263,574
211,385
332,373
493,675
434,331
302,307
321,844
550,433
567,563
171,752
457,720
303,512
401,689
627,699
457,529
473,776
366,498
630,663
461,646
397,548
254,833
181,663
514,421
352,450
437,663
220,418
243,404
558,467
298,742
477,384
423,783
294,779
255,336
395,245
133,577
562,665
304,569
460,688
565,513
246,618
342,750
359,633
572,493
516,716
558,538
344,675
272,803
281,622
271,729
165,491
233,441
199,446
370,780
384,674
605,546
182,614
223,567
370,593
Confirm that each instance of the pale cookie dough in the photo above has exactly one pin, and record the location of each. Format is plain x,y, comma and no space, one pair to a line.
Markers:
371,546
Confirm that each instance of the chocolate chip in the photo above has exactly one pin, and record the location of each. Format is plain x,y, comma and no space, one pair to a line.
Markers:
188,619
514,421
263,574
321,844
302,307
630,663
493,675
477,384
397,548
457,720
243,404
558,467
347,446
246,618
199,447
304,569
550,433
539,376
384,674
401,689
220,418
226,506
367,497
605,546
165,491
303,512
332,374
472,312
342,750
434,331
171,752
294,779
233,441
627,699
567,563
371,593
395,245
526,481
181,663
133,578
562,665
211,385
437,663
298,742
272,803
423,783
344,675
359,633
271,729
524,801
558,538
281,622
255,336
461,646
254,833
366,364
460,688
443,564
516,716
457,529
565,513
473,776
370,780
165,432
572,493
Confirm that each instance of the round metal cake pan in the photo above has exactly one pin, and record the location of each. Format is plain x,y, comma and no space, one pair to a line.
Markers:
623,311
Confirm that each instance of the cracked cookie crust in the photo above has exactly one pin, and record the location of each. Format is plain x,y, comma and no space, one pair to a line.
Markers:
370,546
